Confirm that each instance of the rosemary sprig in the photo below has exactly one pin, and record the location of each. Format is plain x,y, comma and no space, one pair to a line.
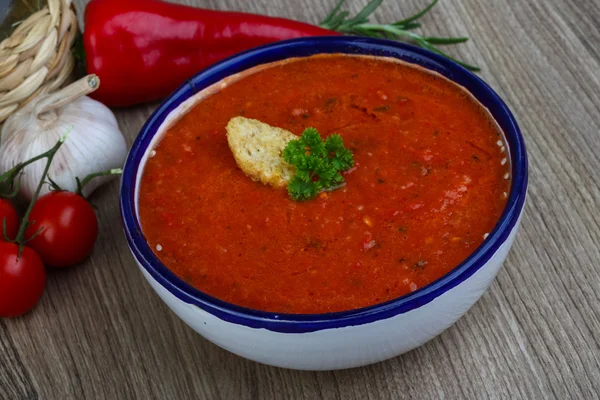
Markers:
338,21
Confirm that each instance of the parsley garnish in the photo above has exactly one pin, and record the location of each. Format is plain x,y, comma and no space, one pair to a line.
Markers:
318,163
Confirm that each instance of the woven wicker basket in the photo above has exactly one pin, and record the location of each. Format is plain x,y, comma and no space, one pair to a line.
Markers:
37,57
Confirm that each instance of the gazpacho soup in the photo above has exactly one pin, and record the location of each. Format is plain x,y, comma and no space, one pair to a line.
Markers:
429,182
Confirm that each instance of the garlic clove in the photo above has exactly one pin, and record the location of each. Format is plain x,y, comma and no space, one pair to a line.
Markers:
94,144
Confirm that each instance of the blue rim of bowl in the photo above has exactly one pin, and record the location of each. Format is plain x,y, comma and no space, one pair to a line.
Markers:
301,323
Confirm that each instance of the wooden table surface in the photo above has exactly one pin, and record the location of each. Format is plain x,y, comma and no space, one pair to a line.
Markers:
100,332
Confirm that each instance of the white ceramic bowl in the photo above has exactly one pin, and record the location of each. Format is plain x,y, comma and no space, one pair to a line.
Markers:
344,339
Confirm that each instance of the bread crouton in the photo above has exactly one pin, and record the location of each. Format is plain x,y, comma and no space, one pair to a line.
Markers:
257,148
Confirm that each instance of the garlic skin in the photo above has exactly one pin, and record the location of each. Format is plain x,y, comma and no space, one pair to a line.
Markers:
94,143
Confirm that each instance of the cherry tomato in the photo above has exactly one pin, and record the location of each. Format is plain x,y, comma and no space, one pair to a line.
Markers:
8,212
67,226
22,279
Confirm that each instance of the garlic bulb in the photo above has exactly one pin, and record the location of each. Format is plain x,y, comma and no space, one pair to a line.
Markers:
94,143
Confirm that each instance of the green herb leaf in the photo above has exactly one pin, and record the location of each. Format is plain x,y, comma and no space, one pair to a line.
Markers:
318,164
363,15
411,25
400,30
334,12
341,158
417,15
449,40
301,190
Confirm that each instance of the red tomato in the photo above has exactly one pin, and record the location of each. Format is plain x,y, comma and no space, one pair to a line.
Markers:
22,280
67,226
8,212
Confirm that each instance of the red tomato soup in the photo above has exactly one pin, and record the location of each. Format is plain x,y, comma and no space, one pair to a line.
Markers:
430,182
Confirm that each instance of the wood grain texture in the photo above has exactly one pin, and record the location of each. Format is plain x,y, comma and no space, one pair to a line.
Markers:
100,332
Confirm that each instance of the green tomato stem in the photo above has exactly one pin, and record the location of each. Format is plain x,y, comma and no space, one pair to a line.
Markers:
7,179
81,183
49,155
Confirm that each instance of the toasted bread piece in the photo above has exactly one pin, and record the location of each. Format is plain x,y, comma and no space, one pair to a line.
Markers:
257,148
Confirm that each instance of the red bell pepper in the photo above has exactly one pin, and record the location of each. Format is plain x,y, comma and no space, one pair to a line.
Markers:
143,49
